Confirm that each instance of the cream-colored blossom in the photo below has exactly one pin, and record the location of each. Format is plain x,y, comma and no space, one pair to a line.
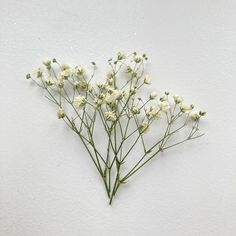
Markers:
49,81
110,116
177,99
47,62
61,113
147,79
38,72
65,67
143,128
60,83
138,58
153,95
135,110
164,106
195,116
186,108
65,74
113,96
79,101
153,113
163,98
79,71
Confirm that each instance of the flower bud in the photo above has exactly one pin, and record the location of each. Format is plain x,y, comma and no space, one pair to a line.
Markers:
153,95
61,114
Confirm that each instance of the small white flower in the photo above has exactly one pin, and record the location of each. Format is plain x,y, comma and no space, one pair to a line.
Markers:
101,85
153,95
110,81
65,74
79,101
120,56
61,114
195,116
60,83
138,58
143,128
186,108
113,96
47,62
78,71
147,79
153,113
135,110
39,72
110,116
163,98
177,99
65,67
98,102
49,81
164,106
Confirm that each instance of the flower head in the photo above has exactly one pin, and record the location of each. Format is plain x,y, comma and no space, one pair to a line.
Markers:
147,79
164,106
186,108
177,99
65,74
39,73
61,113
49,81
113,96
79,101
110,116
143,127
153,95
135,110
79,71
153,113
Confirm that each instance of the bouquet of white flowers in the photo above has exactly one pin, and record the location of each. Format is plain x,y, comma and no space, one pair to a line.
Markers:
116,108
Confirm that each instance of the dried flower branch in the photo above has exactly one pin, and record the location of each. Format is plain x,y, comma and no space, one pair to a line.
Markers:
116,106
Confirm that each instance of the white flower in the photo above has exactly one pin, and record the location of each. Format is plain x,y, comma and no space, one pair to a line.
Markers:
163,98
113,96
98,102
143,127
101,85
39,72
138,58
164,105
120,56
126,94
65,67
177,99
61,114
147,79
60,83
79,101
153,113
49,81
153,95
65,74
195,116
79,71
186,108
47,62
110,116
135,110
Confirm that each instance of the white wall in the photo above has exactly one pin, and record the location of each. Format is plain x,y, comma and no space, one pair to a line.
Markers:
49,187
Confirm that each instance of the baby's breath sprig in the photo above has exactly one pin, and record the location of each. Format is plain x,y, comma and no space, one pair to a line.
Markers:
116,105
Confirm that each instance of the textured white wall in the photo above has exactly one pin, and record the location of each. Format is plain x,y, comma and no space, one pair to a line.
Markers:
48,186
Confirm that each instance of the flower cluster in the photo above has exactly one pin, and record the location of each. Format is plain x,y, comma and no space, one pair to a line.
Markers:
117,104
